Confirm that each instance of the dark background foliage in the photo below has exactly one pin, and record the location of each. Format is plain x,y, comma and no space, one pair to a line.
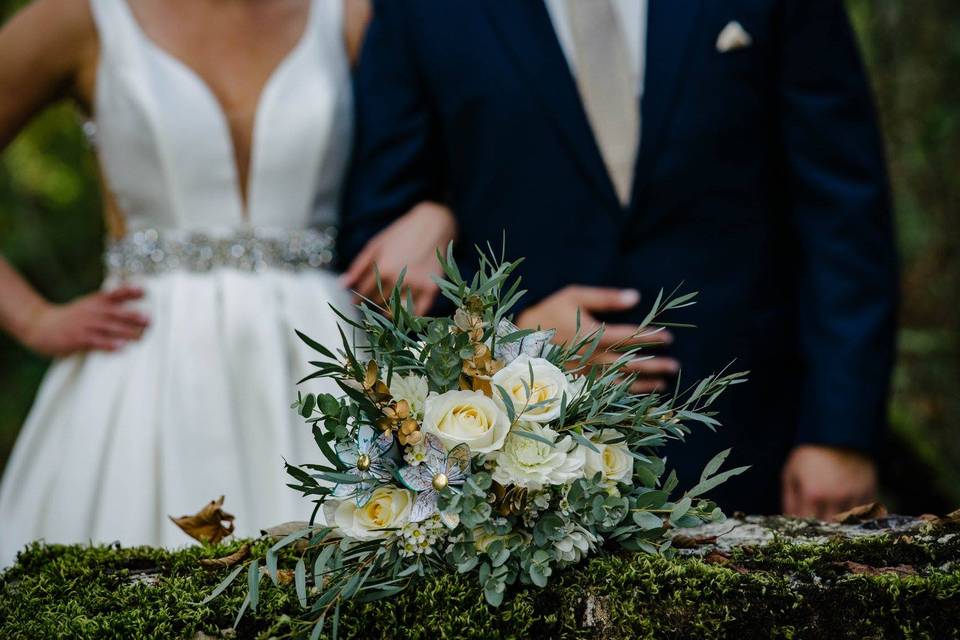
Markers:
50,227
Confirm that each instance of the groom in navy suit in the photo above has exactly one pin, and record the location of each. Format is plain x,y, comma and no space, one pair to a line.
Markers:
728,147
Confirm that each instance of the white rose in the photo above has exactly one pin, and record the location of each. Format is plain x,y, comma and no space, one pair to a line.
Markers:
613,461
529,463
388,508
546,390
413,389
466,417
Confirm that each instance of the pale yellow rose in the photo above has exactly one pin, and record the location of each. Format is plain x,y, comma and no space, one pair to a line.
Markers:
388,508
536,400
466,417
613,461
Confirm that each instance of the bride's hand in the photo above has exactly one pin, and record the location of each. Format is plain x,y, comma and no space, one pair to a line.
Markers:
98,321
412,242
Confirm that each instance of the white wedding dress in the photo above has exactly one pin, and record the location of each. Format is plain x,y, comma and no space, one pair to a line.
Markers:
200,406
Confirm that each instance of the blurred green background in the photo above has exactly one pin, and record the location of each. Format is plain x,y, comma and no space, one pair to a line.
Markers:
50,227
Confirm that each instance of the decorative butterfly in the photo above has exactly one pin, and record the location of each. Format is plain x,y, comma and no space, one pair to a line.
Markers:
367,458
438,471
532,344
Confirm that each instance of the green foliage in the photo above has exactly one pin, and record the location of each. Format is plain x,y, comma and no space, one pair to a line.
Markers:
778,591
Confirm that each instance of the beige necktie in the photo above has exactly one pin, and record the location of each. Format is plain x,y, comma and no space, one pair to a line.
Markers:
605,80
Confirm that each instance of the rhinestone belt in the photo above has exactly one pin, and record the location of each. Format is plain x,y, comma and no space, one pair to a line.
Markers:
151,252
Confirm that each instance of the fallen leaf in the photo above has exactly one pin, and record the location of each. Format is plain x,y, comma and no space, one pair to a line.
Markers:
207,525
860,514
284,529
226,562
681,541
865,569
285,576
717,557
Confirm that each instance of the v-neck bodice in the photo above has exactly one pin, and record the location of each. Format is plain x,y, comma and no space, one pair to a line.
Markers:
166,147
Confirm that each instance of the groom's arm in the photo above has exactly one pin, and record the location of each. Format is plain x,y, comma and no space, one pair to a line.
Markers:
841,215
397,158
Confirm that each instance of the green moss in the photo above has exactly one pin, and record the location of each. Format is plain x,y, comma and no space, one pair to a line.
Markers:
781,590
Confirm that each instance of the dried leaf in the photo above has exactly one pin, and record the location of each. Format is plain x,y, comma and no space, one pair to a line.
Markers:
681,541
207,525
861,514
717,557
285,576
284,529
723,559
226,562
865,569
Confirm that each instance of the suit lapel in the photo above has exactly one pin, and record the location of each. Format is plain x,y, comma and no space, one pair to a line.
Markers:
670,24
525,28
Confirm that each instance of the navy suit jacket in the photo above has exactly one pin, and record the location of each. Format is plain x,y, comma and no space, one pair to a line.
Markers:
760,183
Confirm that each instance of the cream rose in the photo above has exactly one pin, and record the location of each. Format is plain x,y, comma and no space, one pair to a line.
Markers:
546,389
388,508
533,464
466,417
613,461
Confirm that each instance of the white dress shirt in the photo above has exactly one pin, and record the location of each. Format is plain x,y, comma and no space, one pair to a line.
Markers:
633,19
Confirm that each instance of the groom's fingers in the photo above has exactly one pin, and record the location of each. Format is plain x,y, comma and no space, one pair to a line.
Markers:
626,335
603,298
361,266
654,367
653,374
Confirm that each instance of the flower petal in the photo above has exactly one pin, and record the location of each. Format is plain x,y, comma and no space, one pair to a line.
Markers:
424,506
418,478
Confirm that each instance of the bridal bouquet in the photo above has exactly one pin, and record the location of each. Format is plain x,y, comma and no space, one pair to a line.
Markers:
464,443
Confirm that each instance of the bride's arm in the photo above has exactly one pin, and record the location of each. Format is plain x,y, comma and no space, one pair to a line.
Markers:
45,54
410,242
356,17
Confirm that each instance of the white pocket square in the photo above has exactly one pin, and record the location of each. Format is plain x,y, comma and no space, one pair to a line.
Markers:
733,37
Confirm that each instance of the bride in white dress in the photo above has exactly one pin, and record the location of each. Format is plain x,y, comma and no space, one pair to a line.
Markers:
223,144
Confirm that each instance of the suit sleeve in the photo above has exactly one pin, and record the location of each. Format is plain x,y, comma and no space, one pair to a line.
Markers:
395,160
841,217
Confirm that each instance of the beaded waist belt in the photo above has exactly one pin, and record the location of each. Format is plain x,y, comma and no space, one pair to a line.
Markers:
151,252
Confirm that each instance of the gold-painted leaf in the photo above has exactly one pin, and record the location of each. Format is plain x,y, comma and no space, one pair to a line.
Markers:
372,375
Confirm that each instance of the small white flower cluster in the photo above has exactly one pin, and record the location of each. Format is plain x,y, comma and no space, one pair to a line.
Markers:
418,538
416,453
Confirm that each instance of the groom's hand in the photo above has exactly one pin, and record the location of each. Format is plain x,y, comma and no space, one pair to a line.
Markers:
819,481
411,242
559,311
